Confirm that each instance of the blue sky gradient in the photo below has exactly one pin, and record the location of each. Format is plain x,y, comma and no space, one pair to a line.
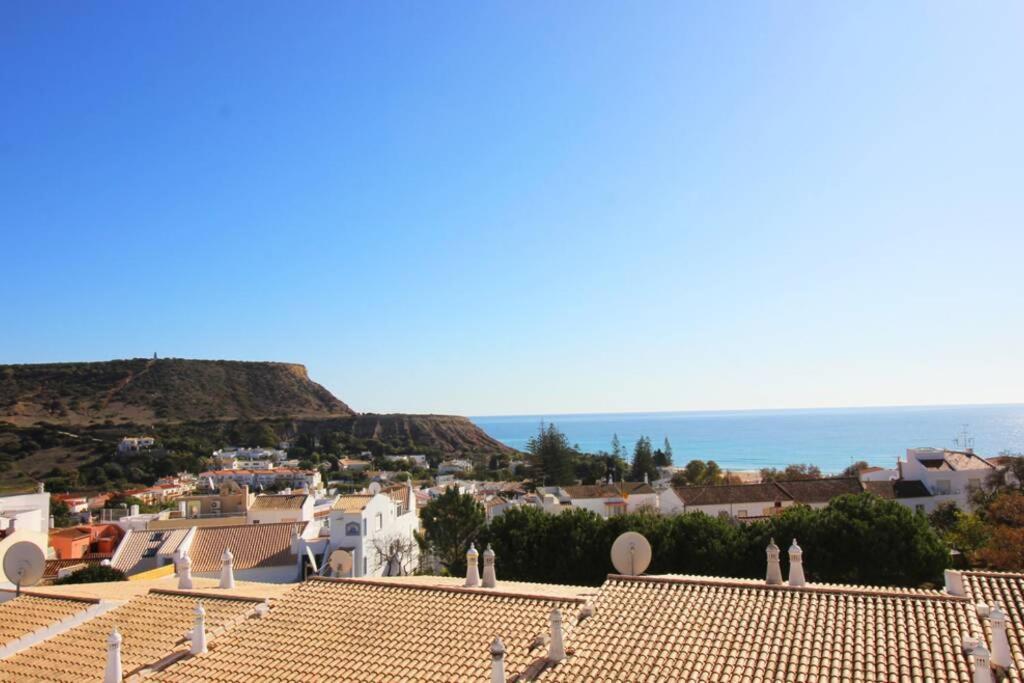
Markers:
489,208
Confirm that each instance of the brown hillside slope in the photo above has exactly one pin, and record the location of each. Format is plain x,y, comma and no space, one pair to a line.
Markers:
166,390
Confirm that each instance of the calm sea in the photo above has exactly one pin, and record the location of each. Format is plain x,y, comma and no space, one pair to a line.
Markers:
830,438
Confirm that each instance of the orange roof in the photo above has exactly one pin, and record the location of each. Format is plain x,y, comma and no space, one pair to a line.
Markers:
356,630
253,545
151,626
28,613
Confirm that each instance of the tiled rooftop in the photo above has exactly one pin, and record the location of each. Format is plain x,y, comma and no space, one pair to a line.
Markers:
152,627
54,566
1008,591
353,503
263,545
354,630
628,488
278,501
800,491
27,614
139,550
656,628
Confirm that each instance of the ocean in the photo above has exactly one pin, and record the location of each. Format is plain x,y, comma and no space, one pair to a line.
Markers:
831,438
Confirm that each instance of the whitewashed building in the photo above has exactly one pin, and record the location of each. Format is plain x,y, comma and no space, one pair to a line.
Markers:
364,524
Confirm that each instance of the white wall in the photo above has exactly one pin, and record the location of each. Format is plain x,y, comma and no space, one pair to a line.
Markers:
378,520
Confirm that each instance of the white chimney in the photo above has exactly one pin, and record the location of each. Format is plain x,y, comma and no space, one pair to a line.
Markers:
182,509
52,523
1000,644
227,569
112,673
198,635
796,565
41,488
472,567
133,511
185,572
954,582
490,580
610,482
970,642
556,648
647,479
497,661
982,670
774,577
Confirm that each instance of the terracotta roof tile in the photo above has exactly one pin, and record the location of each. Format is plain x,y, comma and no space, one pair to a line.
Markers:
353,503
253,545
278,501
27,614
1007,590
666,629
152,627
628,488
54,566
355,630
139,550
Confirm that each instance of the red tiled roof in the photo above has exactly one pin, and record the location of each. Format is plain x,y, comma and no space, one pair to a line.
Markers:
253,545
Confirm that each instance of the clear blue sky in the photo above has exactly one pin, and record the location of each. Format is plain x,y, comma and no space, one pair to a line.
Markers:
488,208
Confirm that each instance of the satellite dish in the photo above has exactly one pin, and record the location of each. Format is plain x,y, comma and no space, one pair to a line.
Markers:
340,562
24,563
631,553
374,488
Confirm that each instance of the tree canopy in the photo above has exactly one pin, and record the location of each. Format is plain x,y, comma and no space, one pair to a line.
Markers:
450,522
551,457
643,461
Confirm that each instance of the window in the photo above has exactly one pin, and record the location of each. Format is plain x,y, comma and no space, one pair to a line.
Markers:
159,537
352,529
942,486
741,513
379,523
364,566
149,552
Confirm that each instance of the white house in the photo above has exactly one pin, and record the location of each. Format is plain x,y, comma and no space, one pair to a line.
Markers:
134,444
945,473
751,501
272,508
27,511
257,479
364,524
607,500
414,460
455,467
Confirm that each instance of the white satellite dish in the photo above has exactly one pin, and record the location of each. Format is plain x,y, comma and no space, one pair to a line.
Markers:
374,488
631,553
340,562
24,563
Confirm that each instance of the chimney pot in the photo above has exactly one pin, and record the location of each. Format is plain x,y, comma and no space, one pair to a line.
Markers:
796,565
199,632
227,569
185,572
490,580
472,567
954,582
497,661
1000,643
113,673
774,575
41,488
982,668
556,648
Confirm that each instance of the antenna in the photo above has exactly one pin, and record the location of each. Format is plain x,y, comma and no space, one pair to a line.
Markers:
23,564
964,441
340,562
631,553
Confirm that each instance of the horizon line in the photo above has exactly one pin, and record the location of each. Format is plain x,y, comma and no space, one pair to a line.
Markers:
754,410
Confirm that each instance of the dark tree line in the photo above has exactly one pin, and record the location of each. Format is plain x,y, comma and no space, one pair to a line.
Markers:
859,539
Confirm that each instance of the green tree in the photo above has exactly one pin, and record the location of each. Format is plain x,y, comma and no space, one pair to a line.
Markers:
791,473
95,573
855,469
643,461
61,514
450,522
551,457
663,456
617,450
699,473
